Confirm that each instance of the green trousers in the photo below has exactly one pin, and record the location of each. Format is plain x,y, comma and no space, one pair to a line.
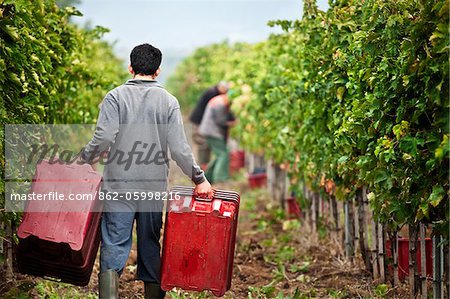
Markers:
218,168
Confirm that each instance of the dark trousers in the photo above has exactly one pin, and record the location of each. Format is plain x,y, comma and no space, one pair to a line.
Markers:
116,232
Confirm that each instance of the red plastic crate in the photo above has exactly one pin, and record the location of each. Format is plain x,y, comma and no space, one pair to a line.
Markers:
403,257
237,160
60,239
38,262
199,241
294,210
257,180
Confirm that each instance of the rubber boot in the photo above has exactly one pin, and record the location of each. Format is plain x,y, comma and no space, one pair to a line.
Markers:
108,285
153,291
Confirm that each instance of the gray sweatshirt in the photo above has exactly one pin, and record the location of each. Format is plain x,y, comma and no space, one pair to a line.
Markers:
138,122
215,118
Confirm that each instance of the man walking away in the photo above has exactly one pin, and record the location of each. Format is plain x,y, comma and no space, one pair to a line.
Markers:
204,152
214,128
138,122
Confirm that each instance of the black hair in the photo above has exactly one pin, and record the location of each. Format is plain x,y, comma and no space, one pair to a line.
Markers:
145,59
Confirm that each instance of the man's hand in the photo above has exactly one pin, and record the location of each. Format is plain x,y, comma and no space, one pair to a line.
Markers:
80,161
204,189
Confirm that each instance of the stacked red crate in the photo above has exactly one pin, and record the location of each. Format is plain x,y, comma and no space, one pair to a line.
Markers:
257,180
237,160
294,210
403,257
60,238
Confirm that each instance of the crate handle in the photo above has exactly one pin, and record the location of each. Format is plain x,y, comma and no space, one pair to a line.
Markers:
204,198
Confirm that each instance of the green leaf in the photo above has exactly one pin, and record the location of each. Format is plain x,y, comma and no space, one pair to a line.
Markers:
436,196
443,149
11,31
70,10
380,176
409,145
340,93
342,159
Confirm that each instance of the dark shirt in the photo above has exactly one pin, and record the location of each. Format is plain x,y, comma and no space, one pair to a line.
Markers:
197,115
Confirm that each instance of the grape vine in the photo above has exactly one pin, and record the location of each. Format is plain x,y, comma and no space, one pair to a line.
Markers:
357,95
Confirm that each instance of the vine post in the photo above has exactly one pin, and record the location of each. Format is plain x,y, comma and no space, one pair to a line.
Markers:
438,268
364,230
423,262
381,252
348,229
308,203
313,213
413,232
394,250
374,249
361,225
8,263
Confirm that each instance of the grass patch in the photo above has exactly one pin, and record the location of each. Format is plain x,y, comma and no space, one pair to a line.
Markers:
180,294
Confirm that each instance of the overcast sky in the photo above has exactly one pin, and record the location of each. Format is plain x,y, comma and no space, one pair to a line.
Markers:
177,27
